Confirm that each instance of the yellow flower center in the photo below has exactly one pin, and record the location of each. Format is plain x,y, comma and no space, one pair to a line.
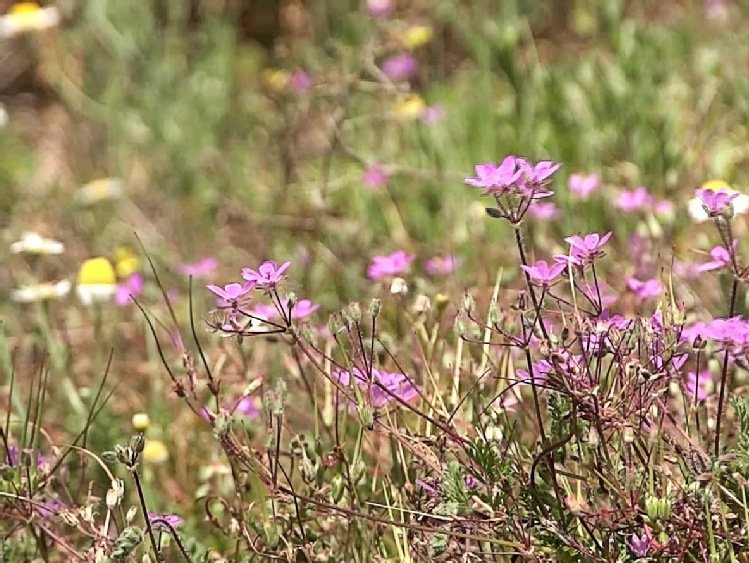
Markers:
410,107
276,79
715,185
417,36
96,271
24,8
26,15
126,263
155,451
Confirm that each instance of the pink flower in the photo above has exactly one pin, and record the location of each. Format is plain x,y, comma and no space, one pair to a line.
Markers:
244,406
383,387
440,265
172,519
715,201
380,8
303,309
392,265
200,268
583,186
495,179
232,292
262,311
267,275
400,66
640,545
715,10
585,249
543,274
544,210
645,289
432,114
635,200
720,259
375,176
663,207
395,383
300,82
515,175
699,389
133,286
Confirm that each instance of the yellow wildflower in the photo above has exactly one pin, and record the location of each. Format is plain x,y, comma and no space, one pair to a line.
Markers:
410,107
96,281
125,262
141,421
276,79
417,36
155,452
27,16
100,190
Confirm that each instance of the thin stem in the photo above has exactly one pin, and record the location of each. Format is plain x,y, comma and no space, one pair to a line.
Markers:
532,292
724,373
145,514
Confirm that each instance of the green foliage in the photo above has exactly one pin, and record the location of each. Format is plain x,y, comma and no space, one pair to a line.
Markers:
741,405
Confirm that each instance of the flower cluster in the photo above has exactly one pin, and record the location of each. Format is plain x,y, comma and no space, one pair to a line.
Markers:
514,184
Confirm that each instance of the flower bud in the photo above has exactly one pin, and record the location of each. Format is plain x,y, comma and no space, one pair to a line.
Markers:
375,306
352,313
336,488
593,438
130,515
399,287
334,324
468,304
366,416
493,313
422,304
141,421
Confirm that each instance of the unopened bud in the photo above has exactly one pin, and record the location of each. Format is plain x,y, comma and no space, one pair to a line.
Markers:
366,416
334,324
375,306
493,312
336,488
352,313
115,494
422,304
399,287
468,304
593,437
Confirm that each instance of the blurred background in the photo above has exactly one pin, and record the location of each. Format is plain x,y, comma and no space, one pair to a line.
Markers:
246,129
